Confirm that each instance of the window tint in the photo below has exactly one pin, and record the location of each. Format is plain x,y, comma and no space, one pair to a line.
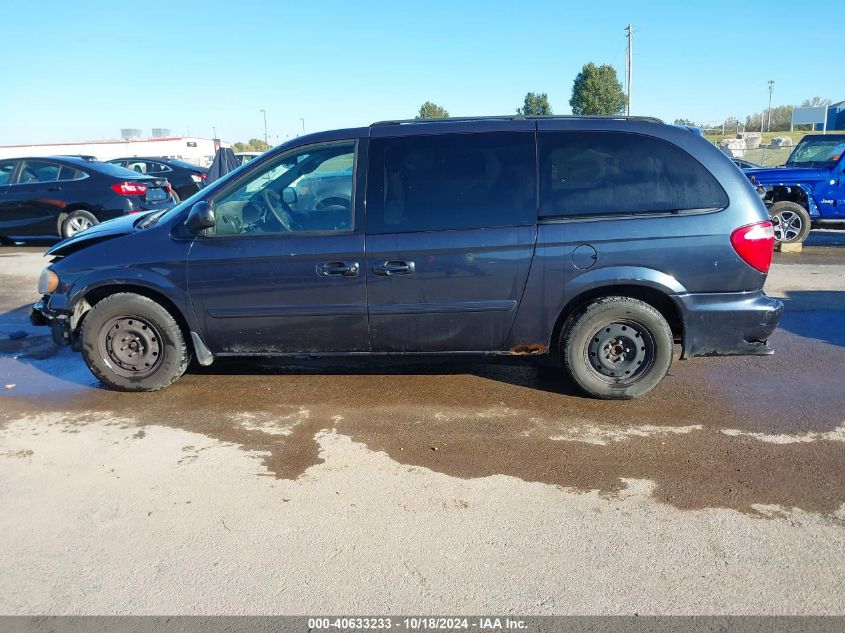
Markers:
451,181
600,173
138,166
37,171
6,169
303,190
69,173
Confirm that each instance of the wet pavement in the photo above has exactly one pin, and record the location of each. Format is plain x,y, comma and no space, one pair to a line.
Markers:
760,436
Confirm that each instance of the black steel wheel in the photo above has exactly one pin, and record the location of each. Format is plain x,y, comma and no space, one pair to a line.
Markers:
617,348
131,343
620,349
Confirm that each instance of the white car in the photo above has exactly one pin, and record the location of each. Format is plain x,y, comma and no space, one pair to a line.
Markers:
245,157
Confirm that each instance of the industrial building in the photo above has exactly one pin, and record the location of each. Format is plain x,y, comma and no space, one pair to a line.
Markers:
188,148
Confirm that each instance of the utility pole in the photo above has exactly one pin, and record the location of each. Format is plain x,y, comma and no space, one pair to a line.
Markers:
214,130
629,71
303,125
771,89
266,138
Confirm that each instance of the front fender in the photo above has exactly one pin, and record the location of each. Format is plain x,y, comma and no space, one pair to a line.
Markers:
152,282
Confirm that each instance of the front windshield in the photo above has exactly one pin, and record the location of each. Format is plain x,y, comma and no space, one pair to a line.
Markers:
817,151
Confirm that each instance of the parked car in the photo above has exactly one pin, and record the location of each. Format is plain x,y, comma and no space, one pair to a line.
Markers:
595,242
185,178
245,157
808,191
63,195
744,164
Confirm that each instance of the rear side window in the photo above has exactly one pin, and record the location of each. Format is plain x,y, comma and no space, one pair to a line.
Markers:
451,181
69,173
611,173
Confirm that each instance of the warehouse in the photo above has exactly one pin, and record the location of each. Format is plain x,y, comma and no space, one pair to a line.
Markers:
188,148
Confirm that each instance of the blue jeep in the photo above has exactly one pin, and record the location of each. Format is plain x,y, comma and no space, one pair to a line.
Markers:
808,191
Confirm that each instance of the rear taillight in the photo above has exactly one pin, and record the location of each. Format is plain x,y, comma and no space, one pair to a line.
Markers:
754,244
129,188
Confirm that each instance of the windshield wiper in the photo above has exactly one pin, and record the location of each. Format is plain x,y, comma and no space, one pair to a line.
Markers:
151,220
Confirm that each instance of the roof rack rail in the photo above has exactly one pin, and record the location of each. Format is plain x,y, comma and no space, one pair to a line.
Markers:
521,117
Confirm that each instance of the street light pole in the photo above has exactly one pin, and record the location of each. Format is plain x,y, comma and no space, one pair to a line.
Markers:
303,125
266,138
629,66
771,89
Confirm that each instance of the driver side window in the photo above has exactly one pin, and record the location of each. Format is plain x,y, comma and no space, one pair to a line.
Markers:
304,191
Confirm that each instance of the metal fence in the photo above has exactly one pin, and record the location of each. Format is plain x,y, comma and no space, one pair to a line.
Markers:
765,155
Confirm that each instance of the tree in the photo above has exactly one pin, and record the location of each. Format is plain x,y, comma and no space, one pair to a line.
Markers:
597,91
254,145
815,101
688,122
430,110
535,103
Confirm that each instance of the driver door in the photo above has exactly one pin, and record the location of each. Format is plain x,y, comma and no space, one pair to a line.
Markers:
281,271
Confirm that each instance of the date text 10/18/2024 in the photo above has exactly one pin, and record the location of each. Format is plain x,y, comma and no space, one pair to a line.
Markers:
417,623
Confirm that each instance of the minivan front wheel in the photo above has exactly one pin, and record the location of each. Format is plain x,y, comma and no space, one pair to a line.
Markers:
131,343
617,348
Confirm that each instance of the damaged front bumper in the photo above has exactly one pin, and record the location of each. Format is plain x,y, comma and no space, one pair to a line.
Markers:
62,323
729,324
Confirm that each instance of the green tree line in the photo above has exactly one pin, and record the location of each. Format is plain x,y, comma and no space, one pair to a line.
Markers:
596,90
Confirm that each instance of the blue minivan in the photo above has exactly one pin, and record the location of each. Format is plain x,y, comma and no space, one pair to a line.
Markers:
595,242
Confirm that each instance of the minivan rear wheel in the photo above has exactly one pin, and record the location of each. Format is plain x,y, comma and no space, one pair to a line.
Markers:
790,221
131,343
617,348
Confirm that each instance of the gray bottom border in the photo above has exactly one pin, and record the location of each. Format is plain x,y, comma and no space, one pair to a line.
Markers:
511,623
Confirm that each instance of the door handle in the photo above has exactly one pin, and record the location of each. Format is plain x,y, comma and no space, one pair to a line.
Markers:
57,188
394,267
344,269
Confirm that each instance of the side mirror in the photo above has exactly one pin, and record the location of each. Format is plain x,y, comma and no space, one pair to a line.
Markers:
288,195
200,217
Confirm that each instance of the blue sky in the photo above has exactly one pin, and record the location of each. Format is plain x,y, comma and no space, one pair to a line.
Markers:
83,70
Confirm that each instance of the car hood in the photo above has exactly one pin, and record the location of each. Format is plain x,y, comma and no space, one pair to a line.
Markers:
786,175
98,233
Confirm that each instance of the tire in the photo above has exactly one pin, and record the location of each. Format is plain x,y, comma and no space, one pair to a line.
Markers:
76,222
159,347
791,222
631,329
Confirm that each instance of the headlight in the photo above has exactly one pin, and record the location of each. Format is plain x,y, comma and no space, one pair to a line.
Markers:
47,282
